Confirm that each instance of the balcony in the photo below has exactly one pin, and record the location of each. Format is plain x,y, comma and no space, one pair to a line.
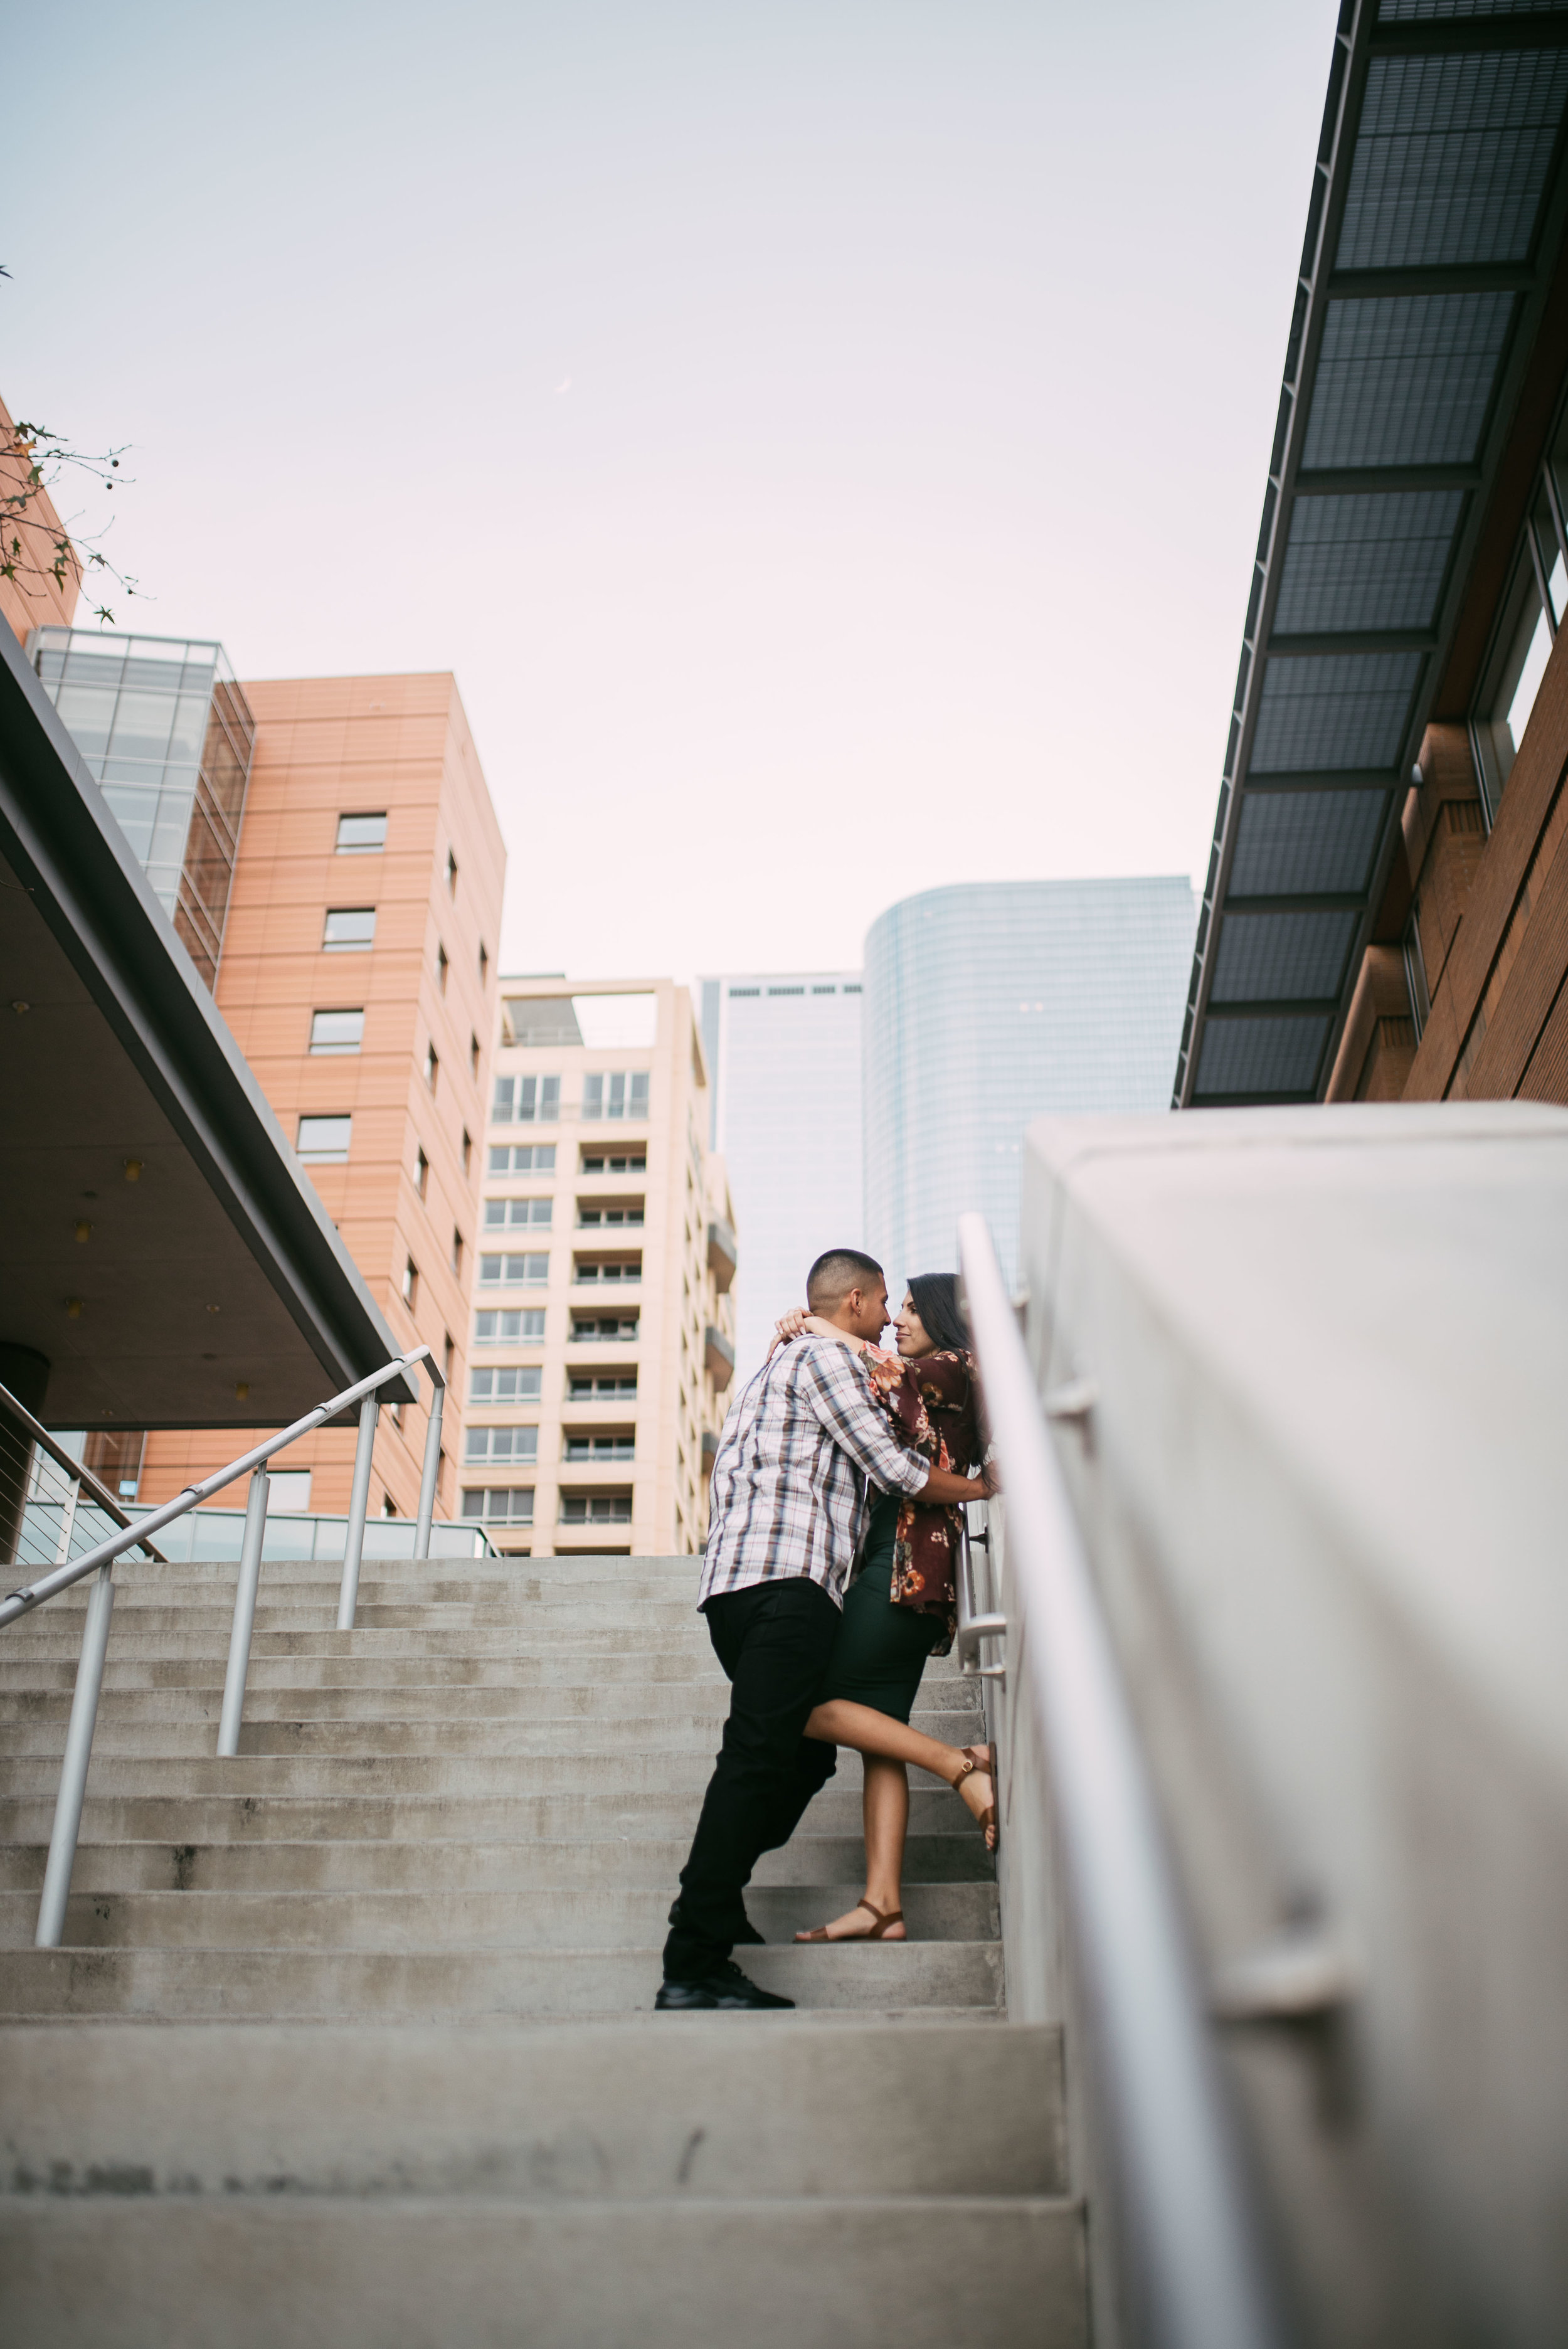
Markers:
722,1254
606,1273
605,1330
719,1358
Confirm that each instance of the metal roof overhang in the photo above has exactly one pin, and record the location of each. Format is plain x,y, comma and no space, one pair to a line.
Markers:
217,1264
1430,277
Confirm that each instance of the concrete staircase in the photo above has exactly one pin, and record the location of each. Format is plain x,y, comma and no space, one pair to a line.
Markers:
405,2086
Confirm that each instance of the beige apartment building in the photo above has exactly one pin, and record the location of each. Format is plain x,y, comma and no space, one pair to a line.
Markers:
604,1334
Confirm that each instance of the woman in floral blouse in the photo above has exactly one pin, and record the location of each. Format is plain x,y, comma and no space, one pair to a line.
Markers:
902,1606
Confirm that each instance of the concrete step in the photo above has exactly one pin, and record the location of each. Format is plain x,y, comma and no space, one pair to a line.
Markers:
441,1984
319,2274
650,1739
720,2106
433,1864
662,1621
246,1814
705,1700
607,1777
581,1571
339,1660
676,1638
577,1917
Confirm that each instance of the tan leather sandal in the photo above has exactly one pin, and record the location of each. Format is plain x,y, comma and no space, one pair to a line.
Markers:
884,1917
987,1821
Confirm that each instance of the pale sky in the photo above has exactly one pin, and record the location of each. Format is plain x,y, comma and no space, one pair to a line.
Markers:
825,439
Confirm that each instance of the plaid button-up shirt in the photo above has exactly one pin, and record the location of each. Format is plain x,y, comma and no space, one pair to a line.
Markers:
789,1479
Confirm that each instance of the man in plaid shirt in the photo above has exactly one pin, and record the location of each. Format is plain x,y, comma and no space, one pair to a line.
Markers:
801,1445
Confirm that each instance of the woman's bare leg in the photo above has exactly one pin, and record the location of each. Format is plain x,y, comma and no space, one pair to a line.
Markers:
884,1810
888,1747
868,1731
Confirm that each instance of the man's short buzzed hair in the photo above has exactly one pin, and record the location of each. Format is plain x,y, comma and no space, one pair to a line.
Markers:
835,1273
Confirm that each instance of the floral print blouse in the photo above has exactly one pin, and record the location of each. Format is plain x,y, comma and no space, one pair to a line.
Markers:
932,1401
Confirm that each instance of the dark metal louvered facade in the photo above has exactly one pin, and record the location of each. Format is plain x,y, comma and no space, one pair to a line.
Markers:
1435,227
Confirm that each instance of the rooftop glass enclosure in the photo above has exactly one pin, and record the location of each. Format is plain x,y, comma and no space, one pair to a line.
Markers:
166,731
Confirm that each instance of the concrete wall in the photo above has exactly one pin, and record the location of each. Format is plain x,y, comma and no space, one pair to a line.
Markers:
1324,1490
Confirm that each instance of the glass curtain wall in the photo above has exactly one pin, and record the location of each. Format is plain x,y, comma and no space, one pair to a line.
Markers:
165,730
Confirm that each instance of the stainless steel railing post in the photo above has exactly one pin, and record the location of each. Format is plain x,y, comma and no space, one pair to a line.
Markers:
244,1613
68,1518
73,1768
358,1501
432,1465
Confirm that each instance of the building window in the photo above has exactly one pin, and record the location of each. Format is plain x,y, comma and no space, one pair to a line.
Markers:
441,966
474,1056
594,1217
349,929
449,1353
529,1100
324,1141
595,1508
361,835
524,1327
457,1250
616,1093
621,1445
522,1158
1531,612
502,1445
603,1326
853,989
432,1066
410,1281
613,1383
336,1032
421,1173
452,875
514,1271
617,1269
500,1506
502,1214
518,1385
467,1148
484,964
595,1162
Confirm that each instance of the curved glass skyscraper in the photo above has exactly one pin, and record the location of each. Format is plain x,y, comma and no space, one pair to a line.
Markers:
993,1002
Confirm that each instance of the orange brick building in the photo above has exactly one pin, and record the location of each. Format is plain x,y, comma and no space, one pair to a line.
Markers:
31,598
358,976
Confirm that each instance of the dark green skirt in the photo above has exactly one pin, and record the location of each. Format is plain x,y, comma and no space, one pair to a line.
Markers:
881,1650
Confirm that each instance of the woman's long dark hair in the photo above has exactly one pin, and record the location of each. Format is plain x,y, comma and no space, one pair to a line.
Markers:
934,1296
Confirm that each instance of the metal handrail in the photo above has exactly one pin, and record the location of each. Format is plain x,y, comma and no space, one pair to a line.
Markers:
100,1600
974,1627
103,1498
1208,2284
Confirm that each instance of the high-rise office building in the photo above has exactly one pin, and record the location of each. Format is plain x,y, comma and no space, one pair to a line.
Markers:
785,1051
327,850
603,1332
987,1004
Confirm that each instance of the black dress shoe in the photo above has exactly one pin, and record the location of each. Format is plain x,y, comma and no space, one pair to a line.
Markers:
724,1986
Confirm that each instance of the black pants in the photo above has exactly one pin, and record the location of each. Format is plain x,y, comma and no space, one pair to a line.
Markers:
774,1641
